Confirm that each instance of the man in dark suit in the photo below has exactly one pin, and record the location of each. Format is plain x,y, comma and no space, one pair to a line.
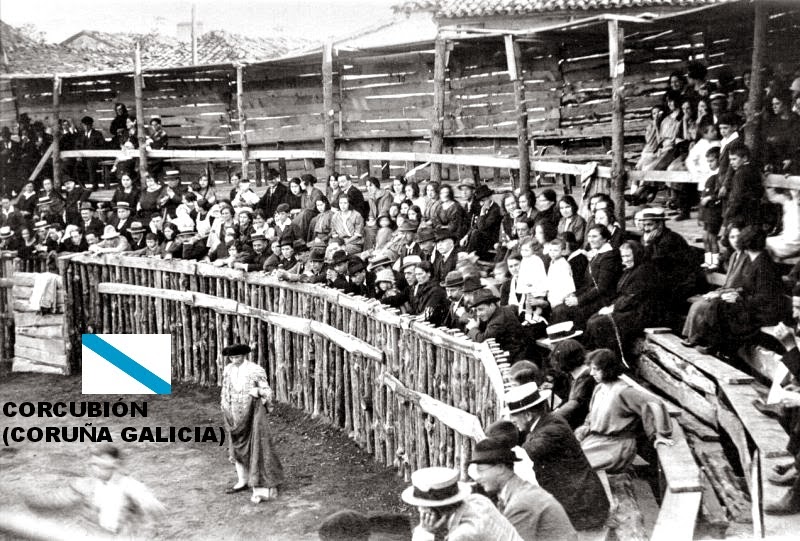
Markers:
498,322
486,225
89,222
74,197
88,139
9,161
357,201
122,221
558,460
275,195
445,256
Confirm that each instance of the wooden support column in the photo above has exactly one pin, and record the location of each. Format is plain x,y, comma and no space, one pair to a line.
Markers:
242,119
515,74
616,61
437,120
138,85
496,170
752,132
384,163
56,132
282,165
327,100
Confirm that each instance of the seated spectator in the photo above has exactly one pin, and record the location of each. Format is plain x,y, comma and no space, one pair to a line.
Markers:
449,213
447,507
385,231
635,305
570,219
8,240
387,290
533,512
281,224
457,316
172,247
576,257
111,242
245,196
605,217
532,280
652,143
348,225
498,322
787,243
548,212
357,277
127,192
320,225
781,137
558,461
568,365
445,257
482,236
752,297
559,274
608,436
293,197
427,298
599,290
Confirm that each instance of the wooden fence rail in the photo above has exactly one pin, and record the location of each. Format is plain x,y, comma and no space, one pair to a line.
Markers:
398,386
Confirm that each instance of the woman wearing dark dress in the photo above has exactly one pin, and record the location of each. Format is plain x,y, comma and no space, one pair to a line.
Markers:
752,297
634,307
449,213
606,217
127,192
600,287
149,199
568,363
570,219
172,247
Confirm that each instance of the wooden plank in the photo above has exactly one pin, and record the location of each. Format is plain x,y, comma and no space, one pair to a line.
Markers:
51,331
761,360
21,364
719,370
34,319
677,463
676,520
711,509
766,433
683,370
679,391
42,357
46,345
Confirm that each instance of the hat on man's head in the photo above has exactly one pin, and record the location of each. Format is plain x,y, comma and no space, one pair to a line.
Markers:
86,205
408,226
287,241
524,397
339,257
122,205
109,232
483,192
524,372
136,227
236,349
317,243
87,120
258,236
493,451
443,233
472,284
730,118
425,234
561,331
435,487
172,174
653,213
718,96
44,200
483,296
355,265
317,255
410,261
385,275
6,232
504,431
42,224
283,207
467,183
453,279
379,261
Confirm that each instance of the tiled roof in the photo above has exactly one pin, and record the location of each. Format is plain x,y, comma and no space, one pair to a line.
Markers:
113,52
482,8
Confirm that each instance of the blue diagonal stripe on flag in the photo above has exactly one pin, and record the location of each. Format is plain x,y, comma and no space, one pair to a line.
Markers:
126,364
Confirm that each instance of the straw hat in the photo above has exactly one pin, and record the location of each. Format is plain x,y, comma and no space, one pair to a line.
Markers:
109,232
6,232
384,275
435,487
525,397
561,331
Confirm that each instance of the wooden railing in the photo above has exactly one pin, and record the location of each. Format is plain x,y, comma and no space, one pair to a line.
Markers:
398,386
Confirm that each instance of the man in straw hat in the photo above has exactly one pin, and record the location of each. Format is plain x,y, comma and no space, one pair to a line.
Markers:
245,393
533,511
494,321
558,460
448,509
111,242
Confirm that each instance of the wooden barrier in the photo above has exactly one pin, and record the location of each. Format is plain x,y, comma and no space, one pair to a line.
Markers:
410,394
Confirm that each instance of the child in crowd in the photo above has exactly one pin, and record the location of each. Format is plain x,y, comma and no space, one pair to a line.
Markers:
711,211
559,274
532,281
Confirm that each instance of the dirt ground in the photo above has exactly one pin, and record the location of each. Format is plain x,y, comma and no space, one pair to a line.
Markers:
325,471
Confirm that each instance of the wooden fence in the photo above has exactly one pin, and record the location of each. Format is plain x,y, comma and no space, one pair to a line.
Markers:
385,378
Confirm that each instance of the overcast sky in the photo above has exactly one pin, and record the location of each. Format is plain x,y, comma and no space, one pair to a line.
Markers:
314,19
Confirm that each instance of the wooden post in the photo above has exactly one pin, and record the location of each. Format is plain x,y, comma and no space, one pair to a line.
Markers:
385,173
138,84
56,133
242,117
752,133
515,74
194,36
437,122
327,100
496,170
282,164
616,61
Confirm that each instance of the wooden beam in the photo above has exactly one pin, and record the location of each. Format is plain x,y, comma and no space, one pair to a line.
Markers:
754,101
138,84
385,171
513,60
56,132
39,166
616,61
328,111
437,115
242,119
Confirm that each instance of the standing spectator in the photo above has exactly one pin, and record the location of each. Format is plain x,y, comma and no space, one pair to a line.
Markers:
158,140
74,197
89,139
119,122
743,195
9,162
275,195
711,211
781,137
